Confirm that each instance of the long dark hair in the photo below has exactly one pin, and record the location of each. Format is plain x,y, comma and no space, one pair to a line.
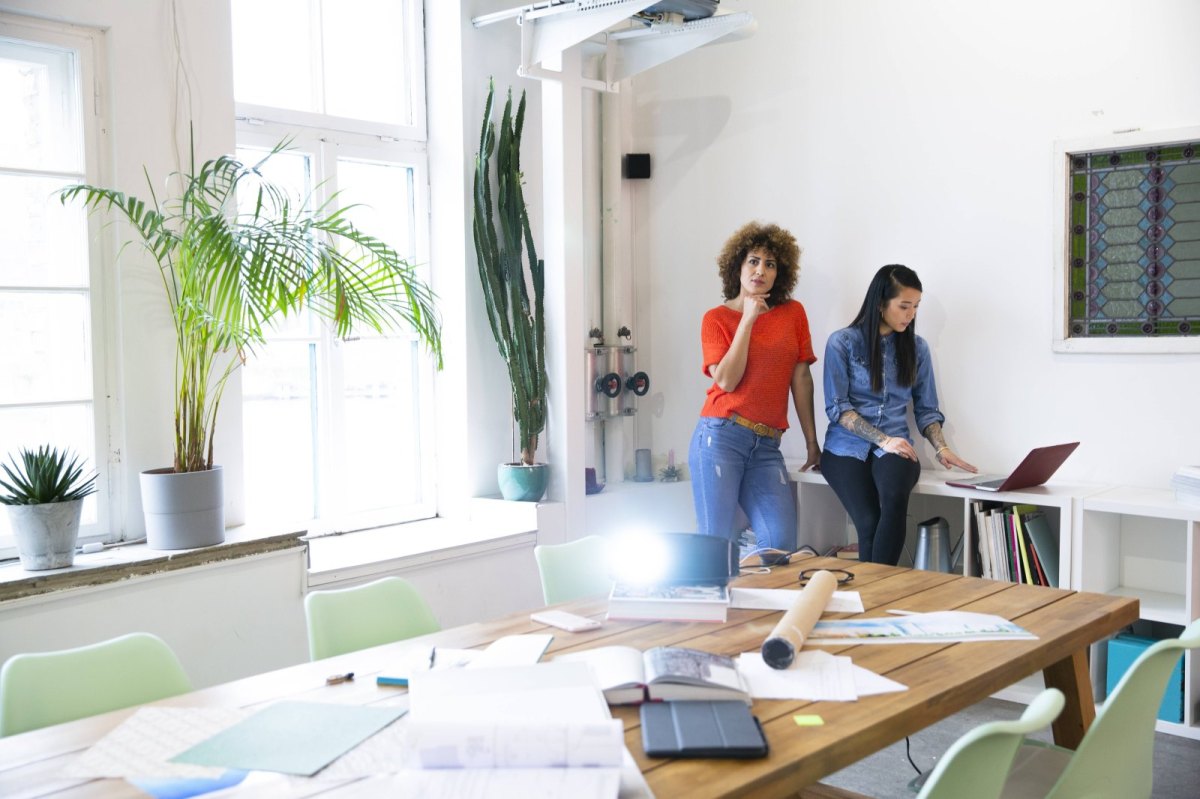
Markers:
884,287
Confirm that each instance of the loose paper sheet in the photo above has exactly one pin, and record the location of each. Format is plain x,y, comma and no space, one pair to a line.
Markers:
816,676
143,744
940,627
785,599
291,737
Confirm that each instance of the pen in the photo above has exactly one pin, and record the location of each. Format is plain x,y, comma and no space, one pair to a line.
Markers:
334,679
432,655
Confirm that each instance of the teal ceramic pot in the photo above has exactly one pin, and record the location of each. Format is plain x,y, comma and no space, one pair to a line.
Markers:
522,482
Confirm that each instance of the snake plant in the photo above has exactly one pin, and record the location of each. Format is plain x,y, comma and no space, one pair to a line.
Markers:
230,269
510,270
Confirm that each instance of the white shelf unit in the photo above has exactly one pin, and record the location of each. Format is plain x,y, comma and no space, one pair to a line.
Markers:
823,522
1142,543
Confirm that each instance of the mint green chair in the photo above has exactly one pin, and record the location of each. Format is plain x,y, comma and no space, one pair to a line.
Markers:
574,570
38,689
344,620
1115,759
976,764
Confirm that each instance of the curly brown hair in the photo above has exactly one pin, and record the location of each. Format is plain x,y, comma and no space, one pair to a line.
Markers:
772,238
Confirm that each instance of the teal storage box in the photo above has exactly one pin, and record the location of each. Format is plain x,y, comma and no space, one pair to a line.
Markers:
1122,651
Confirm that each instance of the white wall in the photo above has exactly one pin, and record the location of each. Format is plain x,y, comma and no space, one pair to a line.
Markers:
921,133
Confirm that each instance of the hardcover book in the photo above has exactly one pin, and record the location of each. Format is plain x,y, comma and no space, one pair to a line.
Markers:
628,676
668,602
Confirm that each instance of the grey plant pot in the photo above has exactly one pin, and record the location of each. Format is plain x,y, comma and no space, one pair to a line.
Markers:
185,510
46,534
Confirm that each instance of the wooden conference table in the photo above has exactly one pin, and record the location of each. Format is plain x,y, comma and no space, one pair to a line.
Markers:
941,678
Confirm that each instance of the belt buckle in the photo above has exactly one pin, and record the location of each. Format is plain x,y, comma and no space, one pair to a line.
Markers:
761,429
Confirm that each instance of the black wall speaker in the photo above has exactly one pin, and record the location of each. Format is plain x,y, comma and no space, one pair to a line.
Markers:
635,166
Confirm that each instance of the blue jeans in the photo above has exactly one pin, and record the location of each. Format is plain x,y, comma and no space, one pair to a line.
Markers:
732,465
875,494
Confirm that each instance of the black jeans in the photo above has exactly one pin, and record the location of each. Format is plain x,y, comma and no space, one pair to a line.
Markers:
875,493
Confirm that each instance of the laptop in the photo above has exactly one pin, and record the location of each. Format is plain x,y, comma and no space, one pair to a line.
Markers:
1038,467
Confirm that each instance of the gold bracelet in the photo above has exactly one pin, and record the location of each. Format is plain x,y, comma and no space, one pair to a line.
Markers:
938,454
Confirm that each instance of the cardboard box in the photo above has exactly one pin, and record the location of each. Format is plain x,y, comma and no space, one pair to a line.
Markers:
1122,651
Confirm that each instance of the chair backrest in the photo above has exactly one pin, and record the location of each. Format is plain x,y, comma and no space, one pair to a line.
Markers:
977,764
344,620
38,689
1116,756
574,570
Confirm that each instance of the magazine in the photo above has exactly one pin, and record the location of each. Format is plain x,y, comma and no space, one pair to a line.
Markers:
685,602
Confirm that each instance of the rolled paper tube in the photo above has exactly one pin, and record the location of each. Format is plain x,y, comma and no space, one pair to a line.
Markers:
781,646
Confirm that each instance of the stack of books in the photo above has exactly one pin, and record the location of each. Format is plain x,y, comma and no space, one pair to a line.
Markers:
668,602
1186,483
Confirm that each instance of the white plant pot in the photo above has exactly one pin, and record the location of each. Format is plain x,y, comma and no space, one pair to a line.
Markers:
184,510
46,534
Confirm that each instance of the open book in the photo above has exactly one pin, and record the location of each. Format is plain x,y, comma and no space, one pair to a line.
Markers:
629,676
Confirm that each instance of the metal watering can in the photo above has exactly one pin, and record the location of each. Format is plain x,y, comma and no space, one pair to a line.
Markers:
933,546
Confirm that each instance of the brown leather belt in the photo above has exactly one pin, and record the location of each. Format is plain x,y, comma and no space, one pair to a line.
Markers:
758,427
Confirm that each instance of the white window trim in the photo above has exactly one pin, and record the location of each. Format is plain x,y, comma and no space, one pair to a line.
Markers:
322,145
1063,150
90,46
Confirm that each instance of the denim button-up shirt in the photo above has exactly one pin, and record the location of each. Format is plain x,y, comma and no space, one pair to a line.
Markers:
848,387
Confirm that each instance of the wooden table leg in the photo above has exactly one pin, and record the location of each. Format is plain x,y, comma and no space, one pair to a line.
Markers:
1071,676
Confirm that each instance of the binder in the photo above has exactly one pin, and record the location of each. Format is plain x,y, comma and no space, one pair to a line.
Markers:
722,728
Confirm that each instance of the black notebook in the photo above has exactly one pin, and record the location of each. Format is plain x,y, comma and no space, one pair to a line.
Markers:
721,728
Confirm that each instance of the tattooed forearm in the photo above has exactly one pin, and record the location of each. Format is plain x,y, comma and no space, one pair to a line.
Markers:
862,428
935,435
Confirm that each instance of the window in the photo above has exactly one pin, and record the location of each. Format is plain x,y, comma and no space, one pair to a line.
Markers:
1132,245
52,359
338,431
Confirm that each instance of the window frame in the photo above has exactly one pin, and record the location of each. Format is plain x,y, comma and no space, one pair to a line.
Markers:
1062,341
89,46
325,139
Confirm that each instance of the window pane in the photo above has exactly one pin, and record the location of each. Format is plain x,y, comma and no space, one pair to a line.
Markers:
62,426
38,83
45,242
353,50
47,349
382,423
383,198
273,48
280,431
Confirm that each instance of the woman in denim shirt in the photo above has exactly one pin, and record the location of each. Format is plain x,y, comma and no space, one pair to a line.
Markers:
873,369
757,350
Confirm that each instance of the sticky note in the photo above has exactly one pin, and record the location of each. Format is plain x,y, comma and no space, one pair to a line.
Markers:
808,721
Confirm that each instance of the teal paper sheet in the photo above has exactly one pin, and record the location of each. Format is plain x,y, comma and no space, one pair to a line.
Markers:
298,738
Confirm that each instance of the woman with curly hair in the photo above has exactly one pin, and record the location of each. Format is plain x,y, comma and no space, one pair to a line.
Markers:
757,349
874,369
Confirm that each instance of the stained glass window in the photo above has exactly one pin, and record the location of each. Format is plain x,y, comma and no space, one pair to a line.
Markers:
1134,242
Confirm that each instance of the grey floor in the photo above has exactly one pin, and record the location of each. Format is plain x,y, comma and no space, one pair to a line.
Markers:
886,774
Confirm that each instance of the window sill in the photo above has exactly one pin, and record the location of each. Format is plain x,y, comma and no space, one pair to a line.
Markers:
119,562
331,558
387,550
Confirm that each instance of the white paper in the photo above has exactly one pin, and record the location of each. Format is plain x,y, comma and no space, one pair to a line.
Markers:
558,691
815,676
143,744
785,599
945,626
517,745
522,783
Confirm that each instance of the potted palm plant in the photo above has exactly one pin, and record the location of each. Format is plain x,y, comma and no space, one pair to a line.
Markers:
235,253
513,280
45,491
